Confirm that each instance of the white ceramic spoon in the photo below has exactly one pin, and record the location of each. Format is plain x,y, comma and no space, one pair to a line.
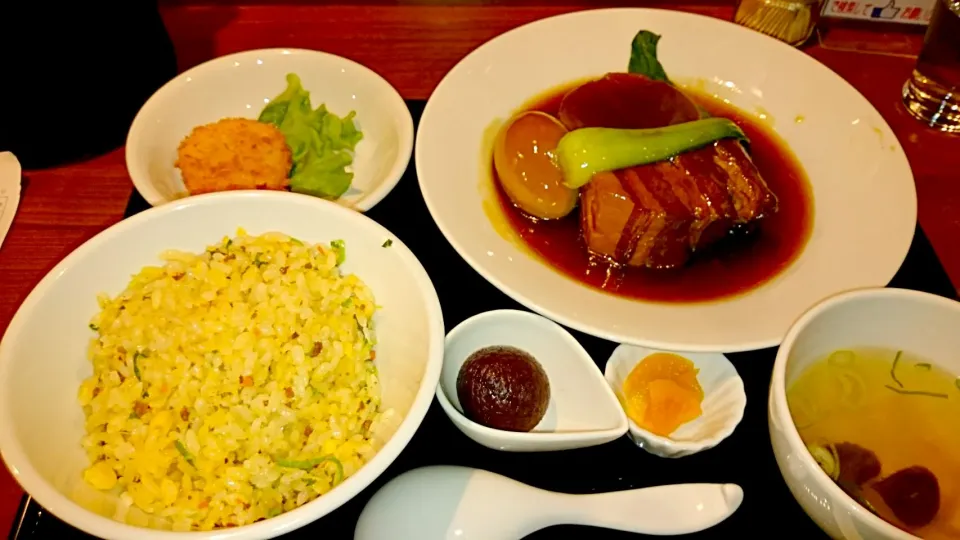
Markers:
446,502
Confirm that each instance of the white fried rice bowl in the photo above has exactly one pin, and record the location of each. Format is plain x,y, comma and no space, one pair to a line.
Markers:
44,353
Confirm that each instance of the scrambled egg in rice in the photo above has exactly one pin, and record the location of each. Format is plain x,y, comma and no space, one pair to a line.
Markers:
233,385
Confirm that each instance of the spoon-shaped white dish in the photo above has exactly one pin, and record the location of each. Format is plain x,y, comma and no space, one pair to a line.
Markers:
582,411
468,504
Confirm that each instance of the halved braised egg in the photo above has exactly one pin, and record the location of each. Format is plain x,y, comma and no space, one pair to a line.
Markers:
523,156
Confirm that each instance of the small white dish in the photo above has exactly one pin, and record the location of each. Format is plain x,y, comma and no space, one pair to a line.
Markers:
582,411
724,401
239,85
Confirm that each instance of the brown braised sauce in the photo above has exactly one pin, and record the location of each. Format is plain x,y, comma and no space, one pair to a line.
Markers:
738,264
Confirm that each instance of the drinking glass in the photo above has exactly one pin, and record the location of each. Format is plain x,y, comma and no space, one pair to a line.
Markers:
932,94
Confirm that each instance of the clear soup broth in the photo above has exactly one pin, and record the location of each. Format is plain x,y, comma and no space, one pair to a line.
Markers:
885,425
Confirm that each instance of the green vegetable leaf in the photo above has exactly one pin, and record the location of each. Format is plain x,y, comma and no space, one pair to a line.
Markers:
322,175
321,143
387,243
341,248
276,110
643,57
136,364
184,452
585,152
308,464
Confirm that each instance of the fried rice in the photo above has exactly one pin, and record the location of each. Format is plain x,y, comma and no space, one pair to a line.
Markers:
232,385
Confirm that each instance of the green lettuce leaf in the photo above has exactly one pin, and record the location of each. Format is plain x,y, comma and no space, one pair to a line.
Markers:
321,142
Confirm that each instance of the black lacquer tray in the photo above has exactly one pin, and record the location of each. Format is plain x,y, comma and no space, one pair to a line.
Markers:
746,458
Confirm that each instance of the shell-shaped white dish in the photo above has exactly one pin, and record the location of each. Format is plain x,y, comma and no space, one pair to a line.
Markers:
583,410
724,401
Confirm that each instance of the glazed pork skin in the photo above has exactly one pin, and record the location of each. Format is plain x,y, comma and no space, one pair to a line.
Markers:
657,215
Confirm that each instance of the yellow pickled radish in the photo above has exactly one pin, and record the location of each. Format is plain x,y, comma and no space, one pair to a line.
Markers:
662,393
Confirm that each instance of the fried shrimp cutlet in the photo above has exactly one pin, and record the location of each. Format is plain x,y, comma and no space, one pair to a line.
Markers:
234,153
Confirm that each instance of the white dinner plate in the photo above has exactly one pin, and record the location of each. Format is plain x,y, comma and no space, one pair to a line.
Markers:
864,197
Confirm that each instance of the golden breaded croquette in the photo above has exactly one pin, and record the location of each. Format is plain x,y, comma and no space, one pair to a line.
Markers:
234,153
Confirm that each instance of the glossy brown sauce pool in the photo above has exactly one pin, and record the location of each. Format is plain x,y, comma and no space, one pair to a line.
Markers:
736,265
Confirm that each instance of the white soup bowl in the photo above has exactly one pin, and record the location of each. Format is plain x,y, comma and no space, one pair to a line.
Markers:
921,323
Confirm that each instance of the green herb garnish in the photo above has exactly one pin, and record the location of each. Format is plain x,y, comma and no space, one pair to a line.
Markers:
916,392
360,328
340,247
901,389
387,243
893,369
184,452
136,363
347,303
94,327
308,464
643,57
